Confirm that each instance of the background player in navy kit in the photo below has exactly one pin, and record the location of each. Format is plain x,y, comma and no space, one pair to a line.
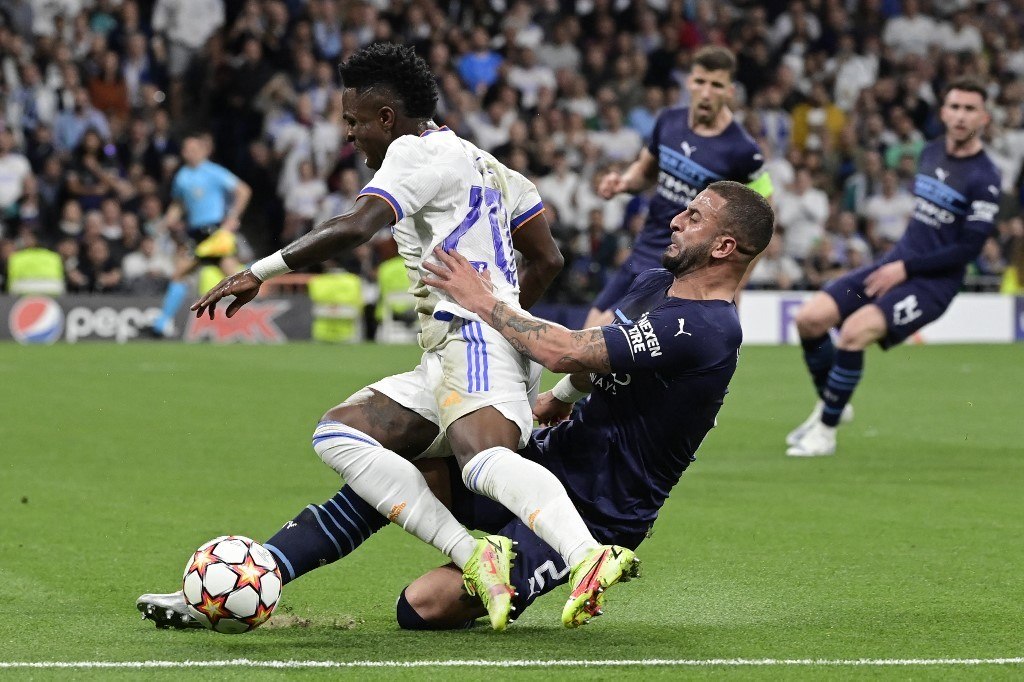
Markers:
656,378
957,192
659,376
689,149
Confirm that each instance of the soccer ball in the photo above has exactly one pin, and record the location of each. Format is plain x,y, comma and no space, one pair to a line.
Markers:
232,584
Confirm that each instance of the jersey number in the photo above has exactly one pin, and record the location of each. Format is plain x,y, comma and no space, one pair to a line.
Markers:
487,200
906,311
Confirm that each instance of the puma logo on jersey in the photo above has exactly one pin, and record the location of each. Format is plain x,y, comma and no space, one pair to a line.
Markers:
688,149
682,323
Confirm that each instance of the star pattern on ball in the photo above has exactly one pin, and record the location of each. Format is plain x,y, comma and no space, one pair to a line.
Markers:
213,607
203,559
248,574
260,617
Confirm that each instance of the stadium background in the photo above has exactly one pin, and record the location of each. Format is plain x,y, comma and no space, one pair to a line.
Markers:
840,95
116,461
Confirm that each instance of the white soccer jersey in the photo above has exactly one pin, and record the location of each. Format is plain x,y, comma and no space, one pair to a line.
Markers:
447,192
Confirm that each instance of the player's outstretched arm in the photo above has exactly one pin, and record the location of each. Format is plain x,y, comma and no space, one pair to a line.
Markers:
640,175
341,233
330,238
552,345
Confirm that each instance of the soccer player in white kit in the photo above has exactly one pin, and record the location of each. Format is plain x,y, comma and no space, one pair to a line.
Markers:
469,395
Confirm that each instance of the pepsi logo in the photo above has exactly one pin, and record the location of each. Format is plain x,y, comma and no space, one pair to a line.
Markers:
36,319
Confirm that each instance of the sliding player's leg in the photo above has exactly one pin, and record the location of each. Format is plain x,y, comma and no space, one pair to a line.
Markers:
485,432
435,601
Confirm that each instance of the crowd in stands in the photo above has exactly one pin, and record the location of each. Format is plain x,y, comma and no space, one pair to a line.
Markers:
840,94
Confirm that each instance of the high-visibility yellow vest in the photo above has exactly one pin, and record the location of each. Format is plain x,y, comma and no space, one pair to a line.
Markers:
1013,283
209,277
35,271
393,280
337,306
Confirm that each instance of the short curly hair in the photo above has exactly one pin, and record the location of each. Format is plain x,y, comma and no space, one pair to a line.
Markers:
397,68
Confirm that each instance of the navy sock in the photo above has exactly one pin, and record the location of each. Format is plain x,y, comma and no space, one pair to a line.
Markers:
842,381
819,355
323,533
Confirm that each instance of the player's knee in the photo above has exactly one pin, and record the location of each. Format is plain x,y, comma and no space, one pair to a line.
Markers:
423,615
407,616
858,337
342,447
810,322
863,328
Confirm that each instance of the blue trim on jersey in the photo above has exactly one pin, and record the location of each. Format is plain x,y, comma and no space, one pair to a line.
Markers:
685,168
386,196
526,215
281,559
483,353
470,358
477,376
940,194
442,129
622,317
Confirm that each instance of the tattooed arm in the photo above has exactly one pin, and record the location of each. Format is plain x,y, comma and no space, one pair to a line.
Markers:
552,345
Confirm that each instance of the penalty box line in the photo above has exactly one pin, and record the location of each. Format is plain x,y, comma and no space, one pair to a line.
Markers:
653,662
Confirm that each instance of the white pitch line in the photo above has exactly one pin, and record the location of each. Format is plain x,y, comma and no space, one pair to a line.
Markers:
657,662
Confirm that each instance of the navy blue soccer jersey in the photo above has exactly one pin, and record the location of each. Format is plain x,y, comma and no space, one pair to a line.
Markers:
672,360
688,163
957,203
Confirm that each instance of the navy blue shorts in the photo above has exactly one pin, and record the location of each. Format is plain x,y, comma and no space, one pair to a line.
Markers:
537,568
907,307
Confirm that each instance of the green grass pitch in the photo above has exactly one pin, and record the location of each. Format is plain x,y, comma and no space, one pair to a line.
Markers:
117,461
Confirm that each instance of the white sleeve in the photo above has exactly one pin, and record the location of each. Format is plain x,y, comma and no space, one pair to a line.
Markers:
407,179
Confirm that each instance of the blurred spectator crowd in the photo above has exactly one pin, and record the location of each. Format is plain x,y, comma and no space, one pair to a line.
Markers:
840,94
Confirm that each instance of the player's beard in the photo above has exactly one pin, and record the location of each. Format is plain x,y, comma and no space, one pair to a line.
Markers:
689,259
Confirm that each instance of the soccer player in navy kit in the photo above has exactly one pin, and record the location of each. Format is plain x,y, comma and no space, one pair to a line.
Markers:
957,192
689,149
656,378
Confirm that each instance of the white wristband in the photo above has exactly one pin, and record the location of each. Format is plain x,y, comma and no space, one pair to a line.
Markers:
566,392
271,266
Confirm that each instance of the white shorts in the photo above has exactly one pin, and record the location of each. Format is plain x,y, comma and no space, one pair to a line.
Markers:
475,367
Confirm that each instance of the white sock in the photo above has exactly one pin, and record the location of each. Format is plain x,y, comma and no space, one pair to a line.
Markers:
394,486
533,494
